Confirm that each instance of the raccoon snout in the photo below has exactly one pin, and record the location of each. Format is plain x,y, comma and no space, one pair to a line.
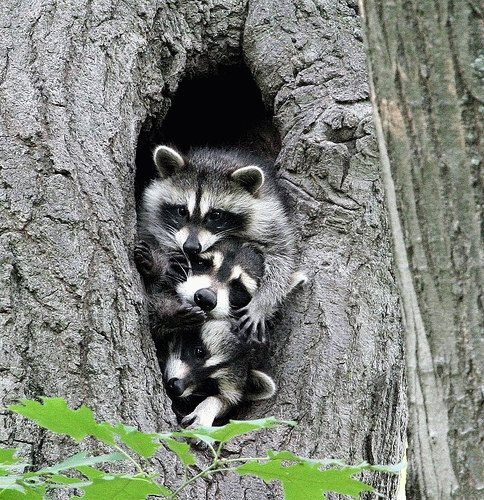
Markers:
176,386
192,246
206,299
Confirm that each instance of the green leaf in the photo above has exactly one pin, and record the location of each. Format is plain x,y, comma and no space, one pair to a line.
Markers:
28,494
140,442
305,480
231,430
54,414
81,459
182,450
90,472
10,483
123,488
7,456
60,481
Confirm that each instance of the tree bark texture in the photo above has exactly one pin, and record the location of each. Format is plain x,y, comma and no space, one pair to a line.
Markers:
424,64
77,81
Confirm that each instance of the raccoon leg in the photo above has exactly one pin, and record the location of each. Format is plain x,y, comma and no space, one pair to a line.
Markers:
276,284
206,412
168,313
143,258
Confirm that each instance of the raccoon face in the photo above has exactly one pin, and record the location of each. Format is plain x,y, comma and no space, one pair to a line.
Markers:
205,363
199,200
223,280
213,362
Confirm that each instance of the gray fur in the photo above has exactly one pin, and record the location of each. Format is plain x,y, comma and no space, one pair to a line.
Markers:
214,172
231,372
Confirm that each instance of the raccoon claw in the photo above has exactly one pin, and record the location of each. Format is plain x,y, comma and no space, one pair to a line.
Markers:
189,316
190,421
143,257
251,330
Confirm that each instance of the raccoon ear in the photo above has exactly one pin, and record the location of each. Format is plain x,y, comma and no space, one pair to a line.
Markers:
259,386
167,161
250,178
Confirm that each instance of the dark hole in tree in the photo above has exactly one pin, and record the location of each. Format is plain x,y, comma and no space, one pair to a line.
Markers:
224,109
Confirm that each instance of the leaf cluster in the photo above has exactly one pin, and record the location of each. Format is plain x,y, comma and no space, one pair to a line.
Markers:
300,477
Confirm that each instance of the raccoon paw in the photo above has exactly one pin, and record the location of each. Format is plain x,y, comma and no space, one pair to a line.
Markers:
252,330
196,419
190,421
177,267
143,257
188,315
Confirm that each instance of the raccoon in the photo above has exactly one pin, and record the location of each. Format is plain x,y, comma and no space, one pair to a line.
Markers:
216,284
161,273
211,194
224,279
209,371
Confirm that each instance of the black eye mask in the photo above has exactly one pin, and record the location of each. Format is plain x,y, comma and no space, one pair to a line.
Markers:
238,295
175,216
217,221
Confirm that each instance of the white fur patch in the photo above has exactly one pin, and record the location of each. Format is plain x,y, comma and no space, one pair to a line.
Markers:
249,282
236,272
215,360
206,203
222,309
191,200
214,334
187,392
176,368
206,239
207,411
181,236
229,391
217,375
264,213
162,191
187,289
217,260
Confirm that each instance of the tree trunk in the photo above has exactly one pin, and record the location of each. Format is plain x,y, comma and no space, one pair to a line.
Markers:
424,64
78,82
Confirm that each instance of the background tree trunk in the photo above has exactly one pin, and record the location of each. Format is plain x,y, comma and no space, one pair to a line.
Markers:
77,83
424,62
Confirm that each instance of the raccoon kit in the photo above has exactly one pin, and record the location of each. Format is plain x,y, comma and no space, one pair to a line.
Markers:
207,369
210,195
184,291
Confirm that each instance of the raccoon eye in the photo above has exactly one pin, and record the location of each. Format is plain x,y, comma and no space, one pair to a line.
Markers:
202,265
182,211
214,215
199,352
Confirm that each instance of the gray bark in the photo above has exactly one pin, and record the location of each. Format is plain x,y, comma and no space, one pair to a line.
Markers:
424,65
77,81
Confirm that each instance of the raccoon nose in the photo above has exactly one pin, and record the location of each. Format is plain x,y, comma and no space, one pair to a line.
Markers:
192,246
176,386
206,299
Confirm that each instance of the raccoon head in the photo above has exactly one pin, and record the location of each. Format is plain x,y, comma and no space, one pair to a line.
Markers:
212,362
224,279
200,198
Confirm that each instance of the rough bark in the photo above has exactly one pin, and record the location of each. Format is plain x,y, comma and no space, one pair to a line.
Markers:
424,65
77,81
